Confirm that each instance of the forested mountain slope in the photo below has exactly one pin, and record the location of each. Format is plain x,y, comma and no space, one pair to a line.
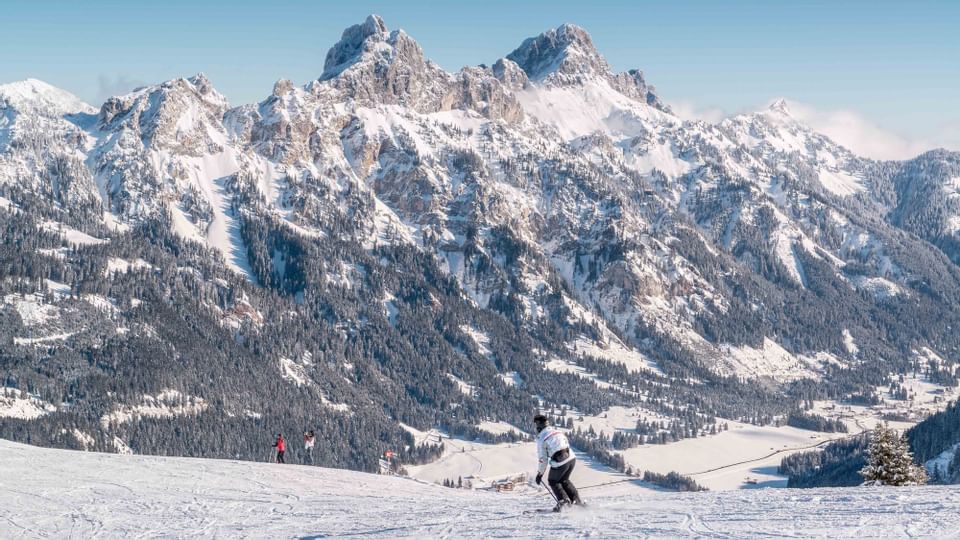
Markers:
392,243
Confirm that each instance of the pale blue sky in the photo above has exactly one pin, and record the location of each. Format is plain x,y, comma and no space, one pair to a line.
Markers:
895,63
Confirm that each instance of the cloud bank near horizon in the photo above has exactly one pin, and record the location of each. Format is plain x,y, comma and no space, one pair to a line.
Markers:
866,138
846,127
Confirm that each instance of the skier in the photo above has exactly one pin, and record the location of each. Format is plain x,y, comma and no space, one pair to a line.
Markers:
553,450
281,446
308,441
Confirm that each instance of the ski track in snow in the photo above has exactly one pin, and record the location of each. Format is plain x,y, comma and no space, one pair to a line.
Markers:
61,494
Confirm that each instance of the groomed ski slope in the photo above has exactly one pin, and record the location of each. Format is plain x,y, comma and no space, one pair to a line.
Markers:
65,494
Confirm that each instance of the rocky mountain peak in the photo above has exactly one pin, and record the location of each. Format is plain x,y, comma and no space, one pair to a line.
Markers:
354,42
563,52
781,107
175,112
373,65
202,85
567,56
282,87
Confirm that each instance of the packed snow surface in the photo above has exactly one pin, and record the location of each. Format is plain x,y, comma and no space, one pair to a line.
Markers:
59,493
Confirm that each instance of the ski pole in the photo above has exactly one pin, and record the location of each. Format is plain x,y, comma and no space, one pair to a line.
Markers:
550,491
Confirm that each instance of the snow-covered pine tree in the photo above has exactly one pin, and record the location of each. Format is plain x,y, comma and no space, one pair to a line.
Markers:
952,473
890,461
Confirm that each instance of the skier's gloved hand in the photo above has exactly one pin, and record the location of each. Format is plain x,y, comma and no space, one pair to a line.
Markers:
539,478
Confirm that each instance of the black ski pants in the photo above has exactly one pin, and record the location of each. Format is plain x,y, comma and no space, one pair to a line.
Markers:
560,483
280,456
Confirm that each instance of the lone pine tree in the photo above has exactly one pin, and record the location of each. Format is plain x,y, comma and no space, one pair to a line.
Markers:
890,461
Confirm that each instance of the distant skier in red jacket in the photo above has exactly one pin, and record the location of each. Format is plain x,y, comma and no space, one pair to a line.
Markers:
281,446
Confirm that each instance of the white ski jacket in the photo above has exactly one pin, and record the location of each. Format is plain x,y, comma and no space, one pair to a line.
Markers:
550,441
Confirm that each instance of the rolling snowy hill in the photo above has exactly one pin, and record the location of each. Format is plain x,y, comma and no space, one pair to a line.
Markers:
56,493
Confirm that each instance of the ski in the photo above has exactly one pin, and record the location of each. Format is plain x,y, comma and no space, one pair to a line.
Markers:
540,511
567,508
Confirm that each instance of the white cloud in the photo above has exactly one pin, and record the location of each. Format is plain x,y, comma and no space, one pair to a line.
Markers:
115,86
846,127
690,111
864,137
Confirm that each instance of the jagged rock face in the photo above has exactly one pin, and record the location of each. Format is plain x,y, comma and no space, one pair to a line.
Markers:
172,115
478,89
353,44
282,124
181,119
631,83
371,65
510,74
566,55
563,54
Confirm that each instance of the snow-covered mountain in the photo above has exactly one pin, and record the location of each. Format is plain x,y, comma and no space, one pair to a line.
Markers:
543,228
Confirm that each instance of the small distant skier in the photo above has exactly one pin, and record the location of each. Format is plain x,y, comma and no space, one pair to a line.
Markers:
553,451
281,446
308,441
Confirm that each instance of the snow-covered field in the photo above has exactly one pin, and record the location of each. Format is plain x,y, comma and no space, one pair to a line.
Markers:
482,464
48,493
732,459
743,457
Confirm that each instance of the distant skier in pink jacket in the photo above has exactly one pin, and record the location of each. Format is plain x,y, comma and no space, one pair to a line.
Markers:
281,446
